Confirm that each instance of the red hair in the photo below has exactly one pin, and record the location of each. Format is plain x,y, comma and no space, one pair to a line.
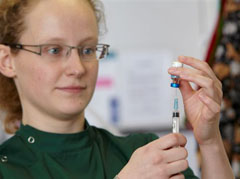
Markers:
12,15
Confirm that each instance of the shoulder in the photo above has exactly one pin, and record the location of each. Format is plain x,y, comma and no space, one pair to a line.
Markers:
127,143
7,146
15,151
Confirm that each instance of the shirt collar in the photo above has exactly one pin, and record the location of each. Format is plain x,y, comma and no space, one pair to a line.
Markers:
54,142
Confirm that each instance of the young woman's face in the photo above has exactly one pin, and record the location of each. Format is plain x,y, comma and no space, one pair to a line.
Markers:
57,88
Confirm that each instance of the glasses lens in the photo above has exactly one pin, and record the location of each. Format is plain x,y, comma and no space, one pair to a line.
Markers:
88,53
54,51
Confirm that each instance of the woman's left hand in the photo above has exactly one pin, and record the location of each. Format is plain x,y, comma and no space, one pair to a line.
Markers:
202,106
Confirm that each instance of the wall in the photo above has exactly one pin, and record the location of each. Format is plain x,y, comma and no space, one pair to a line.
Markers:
133,92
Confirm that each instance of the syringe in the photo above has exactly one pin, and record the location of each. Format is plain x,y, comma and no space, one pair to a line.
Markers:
176,115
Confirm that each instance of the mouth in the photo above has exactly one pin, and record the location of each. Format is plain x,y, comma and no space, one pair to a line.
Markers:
72,89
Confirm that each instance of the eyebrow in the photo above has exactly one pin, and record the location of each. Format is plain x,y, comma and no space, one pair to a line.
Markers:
61,40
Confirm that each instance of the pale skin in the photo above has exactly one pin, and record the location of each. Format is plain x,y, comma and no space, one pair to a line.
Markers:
205,123
57,111
39,82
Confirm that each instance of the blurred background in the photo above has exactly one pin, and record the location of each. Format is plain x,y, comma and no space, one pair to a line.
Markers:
133,92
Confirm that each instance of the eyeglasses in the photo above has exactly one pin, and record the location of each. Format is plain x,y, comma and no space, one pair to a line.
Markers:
60,51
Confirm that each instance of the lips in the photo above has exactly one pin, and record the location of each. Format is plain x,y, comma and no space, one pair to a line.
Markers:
72,89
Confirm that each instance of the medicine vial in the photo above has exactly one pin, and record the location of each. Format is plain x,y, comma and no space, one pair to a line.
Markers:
176,79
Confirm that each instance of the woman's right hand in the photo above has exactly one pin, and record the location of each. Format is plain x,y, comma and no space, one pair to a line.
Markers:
163,158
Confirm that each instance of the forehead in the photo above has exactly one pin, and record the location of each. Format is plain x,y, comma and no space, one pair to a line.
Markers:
68,19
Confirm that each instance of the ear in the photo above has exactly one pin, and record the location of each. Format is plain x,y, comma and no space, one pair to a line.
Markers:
7,67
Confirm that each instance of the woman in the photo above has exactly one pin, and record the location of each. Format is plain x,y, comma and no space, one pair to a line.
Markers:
49,66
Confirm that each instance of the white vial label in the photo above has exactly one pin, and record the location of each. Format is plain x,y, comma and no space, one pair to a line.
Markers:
177,64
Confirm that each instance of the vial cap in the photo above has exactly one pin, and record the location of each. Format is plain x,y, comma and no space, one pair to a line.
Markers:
177,64
175,85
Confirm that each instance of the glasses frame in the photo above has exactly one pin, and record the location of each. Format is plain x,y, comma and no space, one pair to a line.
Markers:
19,46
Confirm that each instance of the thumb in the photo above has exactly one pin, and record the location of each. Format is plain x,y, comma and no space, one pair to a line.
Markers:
186,89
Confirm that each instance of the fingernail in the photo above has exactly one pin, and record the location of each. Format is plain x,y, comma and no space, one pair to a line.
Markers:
172,69
181,57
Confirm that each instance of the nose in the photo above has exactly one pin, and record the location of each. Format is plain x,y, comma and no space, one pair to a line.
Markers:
74,65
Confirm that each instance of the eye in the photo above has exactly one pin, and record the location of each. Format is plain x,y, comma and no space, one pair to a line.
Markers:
53,49
89,50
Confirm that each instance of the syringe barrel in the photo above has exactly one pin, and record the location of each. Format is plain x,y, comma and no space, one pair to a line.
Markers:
175,114
175,122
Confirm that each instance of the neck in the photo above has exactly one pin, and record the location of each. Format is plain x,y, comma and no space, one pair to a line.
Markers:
45,123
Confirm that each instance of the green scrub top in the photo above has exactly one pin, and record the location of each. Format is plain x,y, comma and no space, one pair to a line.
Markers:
91,154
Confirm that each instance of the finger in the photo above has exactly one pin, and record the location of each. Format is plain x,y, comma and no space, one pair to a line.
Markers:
202,66
176,167
175,154
202,81
169,141
186,89
213,88
212,106
177,176
207,84
195,73
181,70
198,64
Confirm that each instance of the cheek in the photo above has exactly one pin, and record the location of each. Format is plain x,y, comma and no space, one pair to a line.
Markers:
93,72
34,77
40,77
44,78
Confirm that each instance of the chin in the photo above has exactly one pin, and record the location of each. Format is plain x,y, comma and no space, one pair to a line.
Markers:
68,115
72,107
71,110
